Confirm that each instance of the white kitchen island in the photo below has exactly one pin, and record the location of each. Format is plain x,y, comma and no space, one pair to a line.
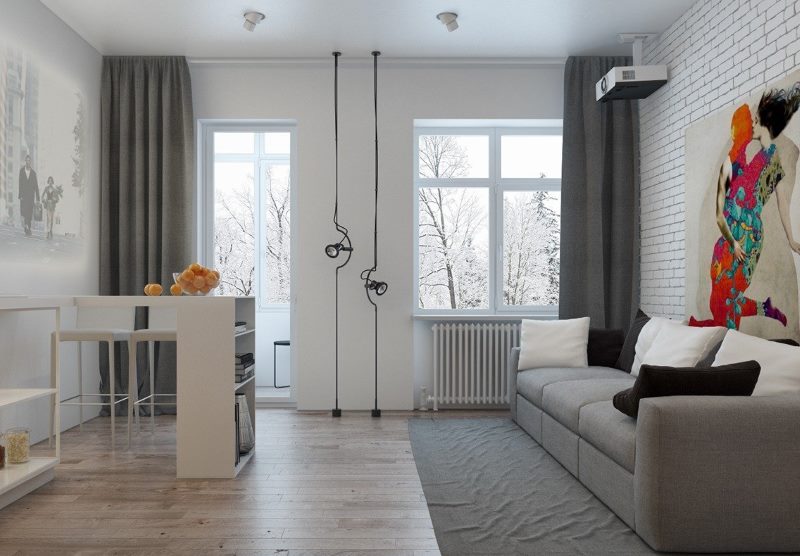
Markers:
206,345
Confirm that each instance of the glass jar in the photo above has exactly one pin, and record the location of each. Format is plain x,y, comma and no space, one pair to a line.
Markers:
18,444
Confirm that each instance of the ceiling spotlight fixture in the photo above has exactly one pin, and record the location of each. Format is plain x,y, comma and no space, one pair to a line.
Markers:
251,19
449,20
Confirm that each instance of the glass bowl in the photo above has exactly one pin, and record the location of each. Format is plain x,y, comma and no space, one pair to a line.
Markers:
196,293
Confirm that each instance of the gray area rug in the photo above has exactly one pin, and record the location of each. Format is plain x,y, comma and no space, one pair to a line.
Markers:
492,489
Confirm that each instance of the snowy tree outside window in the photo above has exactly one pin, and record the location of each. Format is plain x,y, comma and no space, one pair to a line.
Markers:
471,182
252,184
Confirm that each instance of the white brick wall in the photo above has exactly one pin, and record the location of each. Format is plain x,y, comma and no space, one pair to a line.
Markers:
718,52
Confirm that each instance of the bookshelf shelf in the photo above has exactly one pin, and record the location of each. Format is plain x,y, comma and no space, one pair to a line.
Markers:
239,385
17,480
243,461
15,476
10,396
245,342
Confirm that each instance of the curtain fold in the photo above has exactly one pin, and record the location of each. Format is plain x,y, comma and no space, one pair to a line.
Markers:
600,199
147,187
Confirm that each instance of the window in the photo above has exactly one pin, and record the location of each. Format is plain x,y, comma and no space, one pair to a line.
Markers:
248,204
488,218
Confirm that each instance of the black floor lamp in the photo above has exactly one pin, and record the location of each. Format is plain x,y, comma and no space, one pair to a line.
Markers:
370,285
343,245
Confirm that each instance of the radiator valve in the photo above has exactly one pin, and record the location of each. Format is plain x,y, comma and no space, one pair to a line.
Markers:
423,399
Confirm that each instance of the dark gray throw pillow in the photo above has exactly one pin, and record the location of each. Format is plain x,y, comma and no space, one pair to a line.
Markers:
604,347
626,355
708,360
736,379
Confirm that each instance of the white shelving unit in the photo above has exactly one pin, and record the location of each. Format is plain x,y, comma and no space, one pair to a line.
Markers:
245,342
17,480
206,377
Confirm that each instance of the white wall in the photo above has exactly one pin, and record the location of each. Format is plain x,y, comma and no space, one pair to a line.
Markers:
24,339
718,52
303,92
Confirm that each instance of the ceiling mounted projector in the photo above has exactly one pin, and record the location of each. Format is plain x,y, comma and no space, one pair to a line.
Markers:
631,82
251,19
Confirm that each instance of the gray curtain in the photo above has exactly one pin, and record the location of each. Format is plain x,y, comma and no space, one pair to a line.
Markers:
147,188
599,199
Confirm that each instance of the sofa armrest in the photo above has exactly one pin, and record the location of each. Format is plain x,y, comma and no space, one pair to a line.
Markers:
513,364
718,474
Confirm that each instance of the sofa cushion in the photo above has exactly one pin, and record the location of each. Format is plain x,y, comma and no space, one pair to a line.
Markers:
737,379
609,431
695,344
530,383
779,363
563,400
628,351
604,347
538,337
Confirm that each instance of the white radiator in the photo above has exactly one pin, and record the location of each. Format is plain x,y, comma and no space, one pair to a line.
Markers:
470,363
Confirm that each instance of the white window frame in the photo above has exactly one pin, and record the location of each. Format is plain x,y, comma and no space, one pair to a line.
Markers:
205,208
497,186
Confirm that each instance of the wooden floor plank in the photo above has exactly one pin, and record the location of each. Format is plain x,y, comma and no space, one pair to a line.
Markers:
315,486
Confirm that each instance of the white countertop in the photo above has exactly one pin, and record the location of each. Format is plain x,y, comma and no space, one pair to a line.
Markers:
25,302
28,302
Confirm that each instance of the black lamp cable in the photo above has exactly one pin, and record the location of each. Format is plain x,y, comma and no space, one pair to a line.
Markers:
371,285
344,243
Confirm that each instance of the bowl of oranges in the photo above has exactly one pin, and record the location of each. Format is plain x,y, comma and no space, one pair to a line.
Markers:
195,279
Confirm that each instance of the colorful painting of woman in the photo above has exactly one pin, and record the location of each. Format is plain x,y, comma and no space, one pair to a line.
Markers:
744,186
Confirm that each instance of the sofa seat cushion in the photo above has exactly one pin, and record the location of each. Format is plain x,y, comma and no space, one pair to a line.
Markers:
611,432
563,400
531,383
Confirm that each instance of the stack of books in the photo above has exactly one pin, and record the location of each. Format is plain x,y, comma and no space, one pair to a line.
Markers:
239,326
245,366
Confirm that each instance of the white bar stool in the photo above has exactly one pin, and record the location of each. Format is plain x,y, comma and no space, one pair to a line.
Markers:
98,325
162,326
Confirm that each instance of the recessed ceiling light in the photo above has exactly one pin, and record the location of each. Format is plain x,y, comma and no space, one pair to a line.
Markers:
449,20
251,19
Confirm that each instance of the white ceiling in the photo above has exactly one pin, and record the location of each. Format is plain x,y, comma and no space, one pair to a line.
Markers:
399,28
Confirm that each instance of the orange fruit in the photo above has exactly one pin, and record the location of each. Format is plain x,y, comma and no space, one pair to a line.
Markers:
202,271
147,289
190,289
198,282
156,290
216,274
187,275
210,280
205,289
175,289
195,267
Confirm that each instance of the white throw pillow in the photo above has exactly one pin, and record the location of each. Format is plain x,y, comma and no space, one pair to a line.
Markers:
677,345
780,364
553,343
647,336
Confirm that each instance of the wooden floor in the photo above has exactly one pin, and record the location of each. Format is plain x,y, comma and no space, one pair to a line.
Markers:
316,485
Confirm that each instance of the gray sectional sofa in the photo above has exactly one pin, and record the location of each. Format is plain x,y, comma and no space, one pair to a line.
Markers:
691,474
